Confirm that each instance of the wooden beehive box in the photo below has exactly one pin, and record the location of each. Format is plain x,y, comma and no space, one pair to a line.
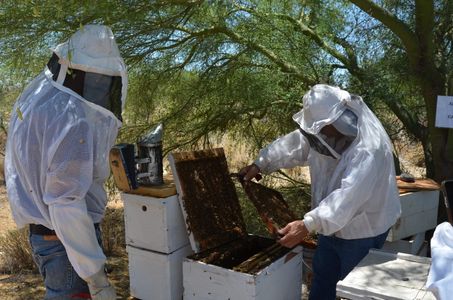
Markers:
229,263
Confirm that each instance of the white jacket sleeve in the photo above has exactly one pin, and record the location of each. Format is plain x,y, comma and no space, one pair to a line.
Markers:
286,152
69,176
339,207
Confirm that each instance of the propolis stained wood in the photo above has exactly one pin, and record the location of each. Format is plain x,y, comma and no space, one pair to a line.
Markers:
219,238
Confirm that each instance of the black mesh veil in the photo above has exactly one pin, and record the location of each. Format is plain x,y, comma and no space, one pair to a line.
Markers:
103,90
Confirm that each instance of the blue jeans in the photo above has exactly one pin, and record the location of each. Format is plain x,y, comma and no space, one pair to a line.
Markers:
334,259
60,278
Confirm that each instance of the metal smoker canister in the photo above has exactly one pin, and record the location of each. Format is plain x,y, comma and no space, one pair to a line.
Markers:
150,165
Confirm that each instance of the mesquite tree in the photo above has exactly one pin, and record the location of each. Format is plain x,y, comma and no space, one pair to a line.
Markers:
242,65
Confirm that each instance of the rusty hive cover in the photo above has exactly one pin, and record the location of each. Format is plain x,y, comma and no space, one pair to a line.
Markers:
208,198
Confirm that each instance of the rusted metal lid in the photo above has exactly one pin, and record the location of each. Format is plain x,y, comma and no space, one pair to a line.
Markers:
208,198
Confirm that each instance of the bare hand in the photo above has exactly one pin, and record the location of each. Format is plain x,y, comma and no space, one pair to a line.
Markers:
293,234
249,172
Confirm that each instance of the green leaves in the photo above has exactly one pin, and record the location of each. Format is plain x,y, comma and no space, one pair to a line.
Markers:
241,66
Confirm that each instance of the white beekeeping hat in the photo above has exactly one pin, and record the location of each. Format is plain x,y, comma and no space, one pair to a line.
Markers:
92,49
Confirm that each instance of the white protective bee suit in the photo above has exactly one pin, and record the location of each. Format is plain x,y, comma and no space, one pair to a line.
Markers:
58,145
354,192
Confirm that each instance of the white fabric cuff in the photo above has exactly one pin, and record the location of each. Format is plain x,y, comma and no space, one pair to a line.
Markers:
309,223
259,162
263,163
99,279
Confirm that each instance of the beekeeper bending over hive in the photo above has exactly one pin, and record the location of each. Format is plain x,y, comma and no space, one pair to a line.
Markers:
61,130
354,194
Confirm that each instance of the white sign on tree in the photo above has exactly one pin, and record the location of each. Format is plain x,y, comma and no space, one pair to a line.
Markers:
444,113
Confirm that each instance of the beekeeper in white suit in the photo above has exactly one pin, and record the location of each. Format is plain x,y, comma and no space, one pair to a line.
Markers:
61,130
354,194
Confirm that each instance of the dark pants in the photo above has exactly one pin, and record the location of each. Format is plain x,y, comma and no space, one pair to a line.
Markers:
334,259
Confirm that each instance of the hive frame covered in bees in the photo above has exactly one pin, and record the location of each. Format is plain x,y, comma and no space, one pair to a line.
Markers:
214,221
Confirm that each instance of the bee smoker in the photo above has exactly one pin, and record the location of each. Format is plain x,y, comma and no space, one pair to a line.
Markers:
138,165
149,158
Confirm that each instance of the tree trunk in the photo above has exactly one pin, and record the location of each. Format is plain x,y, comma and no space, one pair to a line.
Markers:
440,139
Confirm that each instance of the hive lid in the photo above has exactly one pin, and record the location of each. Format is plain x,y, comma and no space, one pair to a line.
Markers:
208,198
419,184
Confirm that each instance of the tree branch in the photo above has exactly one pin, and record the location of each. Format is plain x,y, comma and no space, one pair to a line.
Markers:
284,66
407,118
424,24
399,28
350,60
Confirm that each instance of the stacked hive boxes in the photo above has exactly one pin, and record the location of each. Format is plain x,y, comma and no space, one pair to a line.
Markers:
229,263
418,215
157,242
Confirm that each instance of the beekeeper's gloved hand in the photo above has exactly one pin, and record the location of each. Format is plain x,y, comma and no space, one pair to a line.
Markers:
100,287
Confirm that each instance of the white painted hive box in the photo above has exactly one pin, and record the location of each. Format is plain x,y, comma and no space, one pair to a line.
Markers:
156,276
382,275
413,246
212,213
418,214
154,223
280,280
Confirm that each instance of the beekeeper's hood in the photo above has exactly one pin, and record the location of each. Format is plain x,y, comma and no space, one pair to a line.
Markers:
100,74
323,104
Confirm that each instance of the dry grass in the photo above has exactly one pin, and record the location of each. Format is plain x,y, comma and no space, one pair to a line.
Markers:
27,285
15,252
6,219
411,158
113,236
2,168
21,286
